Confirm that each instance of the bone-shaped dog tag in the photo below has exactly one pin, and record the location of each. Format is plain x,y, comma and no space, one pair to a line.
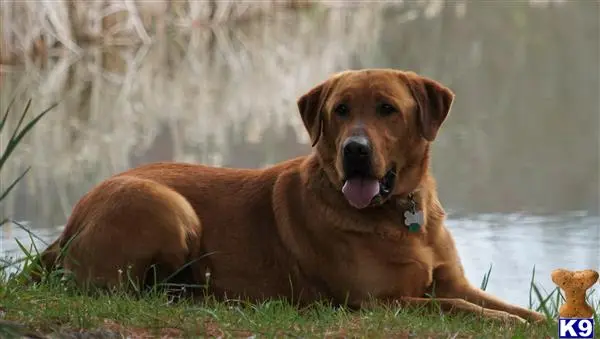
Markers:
413,220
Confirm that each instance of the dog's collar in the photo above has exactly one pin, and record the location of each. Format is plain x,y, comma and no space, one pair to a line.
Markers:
408,199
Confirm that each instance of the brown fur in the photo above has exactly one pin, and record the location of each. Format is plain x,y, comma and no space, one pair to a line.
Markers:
287,231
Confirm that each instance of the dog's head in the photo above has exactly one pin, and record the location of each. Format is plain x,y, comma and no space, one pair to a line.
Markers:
372,129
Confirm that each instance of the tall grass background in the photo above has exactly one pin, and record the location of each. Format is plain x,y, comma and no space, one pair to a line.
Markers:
32,28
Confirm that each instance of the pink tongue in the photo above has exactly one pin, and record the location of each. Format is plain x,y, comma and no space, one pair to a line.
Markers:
360,192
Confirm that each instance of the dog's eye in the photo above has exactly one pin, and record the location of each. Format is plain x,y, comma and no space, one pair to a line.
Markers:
342,110
387,109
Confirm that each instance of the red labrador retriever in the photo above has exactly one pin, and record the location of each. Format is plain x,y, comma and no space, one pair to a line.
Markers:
357,220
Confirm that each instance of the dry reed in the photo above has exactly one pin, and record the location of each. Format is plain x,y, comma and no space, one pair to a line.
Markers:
30,29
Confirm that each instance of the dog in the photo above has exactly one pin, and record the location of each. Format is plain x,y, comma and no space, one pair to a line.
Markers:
356,221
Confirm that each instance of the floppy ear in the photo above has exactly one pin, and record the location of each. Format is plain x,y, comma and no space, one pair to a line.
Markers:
434,101
310,106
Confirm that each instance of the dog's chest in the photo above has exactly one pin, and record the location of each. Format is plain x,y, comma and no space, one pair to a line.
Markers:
388,271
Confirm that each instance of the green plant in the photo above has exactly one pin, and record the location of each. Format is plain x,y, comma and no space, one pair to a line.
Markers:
16,137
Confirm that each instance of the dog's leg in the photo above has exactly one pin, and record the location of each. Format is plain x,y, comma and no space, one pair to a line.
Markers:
450,281
479,297
458,306
130,232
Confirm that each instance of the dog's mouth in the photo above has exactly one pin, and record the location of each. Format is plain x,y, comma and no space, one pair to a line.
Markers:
364,191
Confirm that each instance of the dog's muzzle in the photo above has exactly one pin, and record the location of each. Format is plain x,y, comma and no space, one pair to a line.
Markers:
361,187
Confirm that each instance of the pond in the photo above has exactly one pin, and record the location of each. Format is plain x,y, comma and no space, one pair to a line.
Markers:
517,161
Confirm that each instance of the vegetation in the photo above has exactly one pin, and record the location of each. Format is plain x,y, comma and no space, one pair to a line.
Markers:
56,306
15,138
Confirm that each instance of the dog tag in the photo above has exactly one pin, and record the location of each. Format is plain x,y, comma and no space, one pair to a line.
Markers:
413,220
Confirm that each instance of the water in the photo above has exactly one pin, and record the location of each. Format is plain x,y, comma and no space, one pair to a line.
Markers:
517,161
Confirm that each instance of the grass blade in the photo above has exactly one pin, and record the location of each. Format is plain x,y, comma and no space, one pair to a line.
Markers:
28,256
542,301
13,142
13,184
25,110
486,278
5,117
531,283
31,234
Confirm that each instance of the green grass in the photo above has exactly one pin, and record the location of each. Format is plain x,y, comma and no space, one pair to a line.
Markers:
56,306
16,137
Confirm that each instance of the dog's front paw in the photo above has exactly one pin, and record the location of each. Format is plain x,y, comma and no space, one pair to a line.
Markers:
537,318
504,317
515,320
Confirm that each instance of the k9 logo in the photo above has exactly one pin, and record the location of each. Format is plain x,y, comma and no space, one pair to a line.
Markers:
569,328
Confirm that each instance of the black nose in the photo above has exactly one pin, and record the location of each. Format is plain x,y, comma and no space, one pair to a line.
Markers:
357,156
357,147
